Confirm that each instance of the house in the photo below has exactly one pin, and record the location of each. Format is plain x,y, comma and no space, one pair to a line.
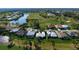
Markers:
4,39
13,23
31,34
51,14
51,33
29,29
14,30
62,27
51,26
20,32
48,32
65,27
9,17
40,34
63,35
72,34
58,26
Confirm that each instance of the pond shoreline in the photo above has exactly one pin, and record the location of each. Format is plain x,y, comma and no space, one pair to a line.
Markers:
21,20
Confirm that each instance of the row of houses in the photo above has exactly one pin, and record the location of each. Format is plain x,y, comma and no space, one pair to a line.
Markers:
58,26
13,16
10,15
31,33
35,33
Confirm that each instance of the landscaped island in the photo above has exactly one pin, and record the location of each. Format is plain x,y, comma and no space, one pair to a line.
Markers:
39,29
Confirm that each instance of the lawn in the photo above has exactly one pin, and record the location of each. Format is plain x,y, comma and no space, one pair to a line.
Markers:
46,45
4,47
64,44
51,20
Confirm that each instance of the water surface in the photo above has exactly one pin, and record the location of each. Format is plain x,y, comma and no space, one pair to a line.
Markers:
21,20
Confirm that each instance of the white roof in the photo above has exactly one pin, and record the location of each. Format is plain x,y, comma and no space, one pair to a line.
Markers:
29,29
29,33
53,34
64,25
14,30
40,34
9,18
48,32
4,39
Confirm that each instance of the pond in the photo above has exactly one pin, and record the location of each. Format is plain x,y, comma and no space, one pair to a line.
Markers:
21,20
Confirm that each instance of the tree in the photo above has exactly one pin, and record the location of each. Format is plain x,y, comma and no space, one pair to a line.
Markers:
43,14
36,24
69,14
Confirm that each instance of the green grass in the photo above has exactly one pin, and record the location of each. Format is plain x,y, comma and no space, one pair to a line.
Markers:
4,47
46,44
51,20
44,21
64,46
